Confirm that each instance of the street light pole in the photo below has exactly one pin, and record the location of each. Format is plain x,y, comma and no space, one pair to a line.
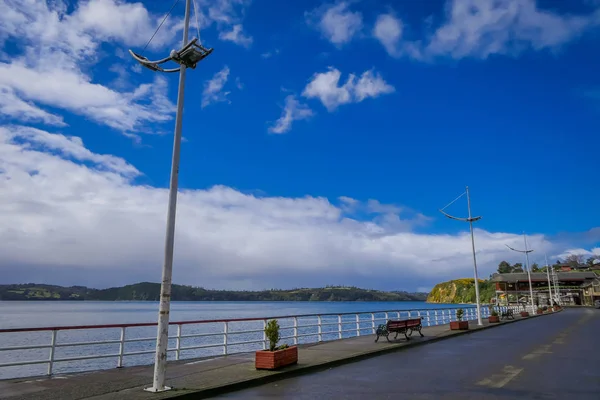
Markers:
529,273
187,57
474,260
526,251
549,284
470,219
162,341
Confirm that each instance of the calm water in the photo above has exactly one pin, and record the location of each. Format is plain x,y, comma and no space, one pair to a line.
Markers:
31,314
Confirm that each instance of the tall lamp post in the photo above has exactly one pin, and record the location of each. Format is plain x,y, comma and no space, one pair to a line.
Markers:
470,220
549,284
187,57
526,251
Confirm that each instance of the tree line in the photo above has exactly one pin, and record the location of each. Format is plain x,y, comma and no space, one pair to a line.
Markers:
578,261
148,291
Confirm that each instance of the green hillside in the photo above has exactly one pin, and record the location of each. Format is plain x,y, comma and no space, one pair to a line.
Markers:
151,292
461,291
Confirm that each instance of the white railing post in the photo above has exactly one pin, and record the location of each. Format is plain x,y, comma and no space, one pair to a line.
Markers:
52,348
409,314
436,317
340,333
319,328
386,317
264,334
295,330
357,325
398,314
373,323
178,343
428,318
121,348
225,335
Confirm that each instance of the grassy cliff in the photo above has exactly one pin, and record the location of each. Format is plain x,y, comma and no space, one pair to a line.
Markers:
461,291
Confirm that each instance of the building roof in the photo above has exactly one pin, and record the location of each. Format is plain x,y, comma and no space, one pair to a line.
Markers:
541,276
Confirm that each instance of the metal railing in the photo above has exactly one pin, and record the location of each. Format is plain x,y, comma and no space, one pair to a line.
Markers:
90,347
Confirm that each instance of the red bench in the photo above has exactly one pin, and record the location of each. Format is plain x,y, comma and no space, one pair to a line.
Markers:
405,326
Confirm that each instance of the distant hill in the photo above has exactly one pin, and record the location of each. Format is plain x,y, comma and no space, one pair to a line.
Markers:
461,291
151,292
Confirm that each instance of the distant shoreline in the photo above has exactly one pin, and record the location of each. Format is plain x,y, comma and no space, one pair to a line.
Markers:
149,291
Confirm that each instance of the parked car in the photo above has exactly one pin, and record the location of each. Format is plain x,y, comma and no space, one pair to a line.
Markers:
597,303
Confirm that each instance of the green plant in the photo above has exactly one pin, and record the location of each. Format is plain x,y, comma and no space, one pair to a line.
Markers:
272,334
459,314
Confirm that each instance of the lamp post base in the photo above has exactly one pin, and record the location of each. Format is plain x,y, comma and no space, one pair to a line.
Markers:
154,390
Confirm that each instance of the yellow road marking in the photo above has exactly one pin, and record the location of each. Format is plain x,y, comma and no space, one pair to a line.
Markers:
499,380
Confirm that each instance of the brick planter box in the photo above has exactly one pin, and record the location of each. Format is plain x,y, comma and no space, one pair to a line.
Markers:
494,319
266,359
524,314
459,325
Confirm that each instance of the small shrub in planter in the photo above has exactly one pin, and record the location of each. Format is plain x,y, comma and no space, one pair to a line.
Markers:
493,318
276,356
460,324
524,314
540,310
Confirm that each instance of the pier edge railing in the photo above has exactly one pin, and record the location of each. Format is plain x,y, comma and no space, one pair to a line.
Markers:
332,322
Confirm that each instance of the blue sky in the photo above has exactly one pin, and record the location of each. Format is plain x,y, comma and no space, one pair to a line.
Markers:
321,138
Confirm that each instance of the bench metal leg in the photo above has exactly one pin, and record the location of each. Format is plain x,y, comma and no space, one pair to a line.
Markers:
406,336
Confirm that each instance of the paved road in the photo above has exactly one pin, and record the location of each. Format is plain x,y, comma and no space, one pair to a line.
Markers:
555,357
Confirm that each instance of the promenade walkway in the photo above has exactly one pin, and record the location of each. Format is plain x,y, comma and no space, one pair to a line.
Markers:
553,358
210,377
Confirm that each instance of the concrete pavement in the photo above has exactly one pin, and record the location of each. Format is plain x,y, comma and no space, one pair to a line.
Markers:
545,358
204,378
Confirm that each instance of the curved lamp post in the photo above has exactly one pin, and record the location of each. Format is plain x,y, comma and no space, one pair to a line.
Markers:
470,220
526,251
188,57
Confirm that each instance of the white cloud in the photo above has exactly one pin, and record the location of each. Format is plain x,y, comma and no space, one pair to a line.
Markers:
270,54
236,35
227,16
292,111
14,107
238,83
326,87
388,30
90,220
336,22
60,48
213,88
480,28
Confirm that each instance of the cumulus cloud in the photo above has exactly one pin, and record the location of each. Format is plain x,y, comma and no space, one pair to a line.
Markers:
325,86
388,30
480,28
336,22
14,107
58,49
213,88
89,219
292,111
236,35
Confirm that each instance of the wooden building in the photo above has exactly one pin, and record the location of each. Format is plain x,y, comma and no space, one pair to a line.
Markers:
514,288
